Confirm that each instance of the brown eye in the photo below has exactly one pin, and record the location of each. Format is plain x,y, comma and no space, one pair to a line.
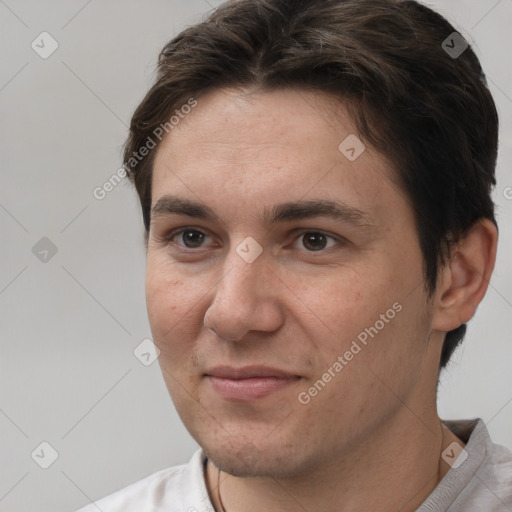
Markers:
315,240
191,238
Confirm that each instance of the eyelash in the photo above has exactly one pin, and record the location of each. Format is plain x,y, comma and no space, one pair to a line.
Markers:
339,241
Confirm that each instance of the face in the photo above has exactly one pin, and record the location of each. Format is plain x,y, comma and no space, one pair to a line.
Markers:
284,282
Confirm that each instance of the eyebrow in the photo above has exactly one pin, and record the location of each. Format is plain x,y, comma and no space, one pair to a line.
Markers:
294,210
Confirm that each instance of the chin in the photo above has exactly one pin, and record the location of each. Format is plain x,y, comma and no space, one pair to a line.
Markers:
250,461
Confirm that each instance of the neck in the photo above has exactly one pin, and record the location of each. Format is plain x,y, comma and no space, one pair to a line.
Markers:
395,470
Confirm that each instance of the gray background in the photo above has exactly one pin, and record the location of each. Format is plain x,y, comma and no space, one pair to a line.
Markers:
69,325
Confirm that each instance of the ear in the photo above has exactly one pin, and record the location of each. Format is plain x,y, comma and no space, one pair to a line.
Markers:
464,280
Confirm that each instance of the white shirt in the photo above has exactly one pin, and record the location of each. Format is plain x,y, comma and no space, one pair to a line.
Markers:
482,483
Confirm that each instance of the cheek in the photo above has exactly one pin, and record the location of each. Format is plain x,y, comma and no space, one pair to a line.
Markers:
162,299
173,306
342,303
369,317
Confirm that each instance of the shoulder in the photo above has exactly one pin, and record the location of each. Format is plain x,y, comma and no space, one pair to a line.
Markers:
498,468
480,477
490,487
178,488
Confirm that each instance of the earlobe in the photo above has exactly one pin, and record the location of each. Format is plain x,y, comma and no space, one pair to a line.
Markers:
465,278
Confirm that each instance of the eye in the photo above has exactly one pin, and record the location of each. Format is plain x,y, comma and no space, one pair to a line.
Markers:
190,238
310,240
315,241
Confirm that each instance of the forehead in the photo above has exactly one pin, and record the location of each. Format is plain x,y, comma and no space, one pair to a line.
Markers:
282,117
256,148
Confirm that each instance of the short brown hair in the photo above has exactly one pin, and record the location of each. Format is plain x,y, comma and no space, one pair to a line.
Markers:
429,111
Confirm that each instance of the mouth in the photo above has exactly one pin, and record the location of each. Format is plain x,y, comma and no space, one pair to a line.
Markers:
249,383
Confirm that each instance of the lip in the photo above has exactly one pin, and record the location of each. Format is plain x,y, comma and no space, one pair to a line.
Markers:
250,382
248,372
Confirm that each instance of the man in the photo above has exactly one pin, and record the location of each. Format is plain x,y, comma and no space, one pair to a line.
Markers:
315,183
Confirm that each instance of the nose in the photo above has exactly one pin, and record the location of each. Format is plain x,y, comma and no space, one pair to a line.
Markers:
245,299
